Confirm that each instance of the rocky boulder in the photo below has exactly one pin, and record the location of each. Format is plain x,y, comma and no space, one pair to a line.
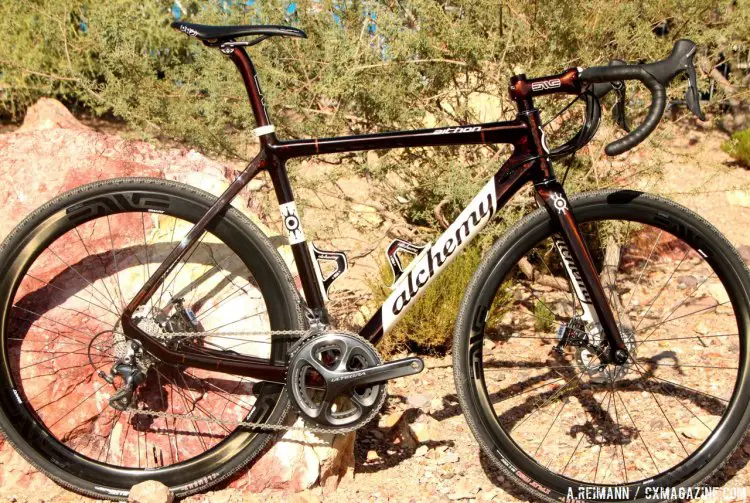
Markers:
52,153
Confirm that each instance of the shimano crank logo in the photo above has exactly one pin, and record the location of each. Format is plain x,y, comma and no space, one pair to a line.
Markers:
351,375
450,130
546,84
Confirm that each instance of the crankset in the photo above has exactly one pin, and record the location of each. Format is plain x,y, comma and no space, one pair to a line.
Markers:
337,379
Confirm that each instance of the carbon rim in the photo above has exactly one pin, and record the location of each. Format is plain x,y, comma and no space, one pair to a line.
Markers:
48,228
513,456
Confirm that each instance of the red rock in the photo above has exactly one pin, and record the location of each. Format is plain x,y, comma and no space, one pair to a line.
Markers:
50,114
150,491
53,153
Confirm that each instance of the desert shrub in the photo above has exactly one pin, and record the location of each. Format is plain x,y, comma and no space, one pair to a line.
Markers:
738,146
367,66
543,319
427,327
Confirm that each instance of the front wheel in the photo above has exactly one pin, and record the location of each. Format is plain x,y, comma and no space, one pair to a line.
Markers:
566,427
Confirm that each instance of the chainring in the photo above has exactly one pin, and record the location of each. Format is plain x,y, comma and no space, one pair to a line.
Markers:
309,392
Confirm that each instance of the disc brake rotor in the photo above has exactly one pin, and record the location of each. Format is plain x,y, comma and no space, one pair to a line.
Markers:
315,398
587,361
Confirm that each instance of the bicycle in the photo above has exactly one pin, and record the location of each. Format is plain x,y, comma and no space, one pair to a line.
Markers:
144,311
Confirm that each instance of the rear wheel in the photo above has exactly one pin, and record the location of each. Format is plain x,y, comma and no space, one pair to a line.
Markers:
556,420
70,268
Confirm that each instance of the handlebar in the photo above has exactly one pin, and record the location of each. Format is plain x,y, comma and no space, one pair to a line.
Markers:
655,76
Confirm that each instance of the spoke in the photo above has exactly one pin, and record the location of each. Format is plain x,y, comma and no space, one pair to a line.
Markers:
145,249
43,341
77,405
72,295
601,446
550,427
188,410
108,443
215,306
638,432
223,392
117,266
162,392
89,335
54,357
171,240
54,340
80,275
532,365
678,401
691,337
678,318
184,263
529,390
619,434
680,365
640,276
198,406
606,393
544,304
104,268
687,388
237,321
557,393
668,421
660,291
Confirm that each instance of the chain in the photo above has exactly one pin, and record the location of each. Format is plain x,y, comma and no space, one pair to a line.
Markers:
249,424
154,329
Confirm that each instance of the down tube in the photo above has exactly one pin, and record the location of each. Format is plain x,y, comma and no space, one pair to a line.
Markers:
438,255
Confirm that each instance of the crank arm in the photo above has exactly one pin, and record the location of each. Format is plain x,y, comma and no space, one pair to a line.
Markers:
381,373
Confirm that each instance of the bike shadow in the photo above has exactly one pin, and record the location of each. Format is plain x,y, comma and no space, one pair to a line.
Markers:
393,444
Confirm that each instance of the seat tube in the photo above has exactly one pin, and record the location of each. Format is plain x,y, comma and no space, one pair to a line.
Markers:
300,247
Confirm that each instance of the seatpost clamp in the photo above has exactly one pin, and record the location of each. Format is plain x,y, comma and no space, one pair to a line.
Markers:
262,130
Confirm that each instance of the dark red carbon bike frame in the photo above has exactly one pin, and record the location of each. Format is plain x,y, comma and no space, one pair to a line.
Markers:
529,163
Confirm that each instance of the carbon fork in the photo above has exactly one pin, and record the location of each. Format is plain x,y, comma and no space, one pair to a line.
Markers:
582,269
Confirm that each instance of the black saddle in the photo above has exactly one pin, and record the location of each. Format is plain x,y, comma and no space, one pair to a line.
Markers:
215,35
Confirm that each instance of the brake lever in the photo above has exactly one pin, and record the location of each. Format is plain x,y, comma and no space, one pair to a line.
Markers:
692,98
618,111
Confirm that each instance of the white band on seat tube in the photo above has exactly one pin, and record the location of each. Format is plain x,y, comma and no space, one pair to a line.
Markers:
260,131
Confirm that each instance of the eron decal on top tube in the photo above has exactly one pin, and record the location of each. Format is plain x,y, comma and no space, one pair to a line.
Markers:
446,248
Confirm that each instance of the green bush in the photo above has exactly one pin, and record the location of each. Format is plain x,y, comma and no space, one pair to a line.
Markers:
428,62
427,327
738,146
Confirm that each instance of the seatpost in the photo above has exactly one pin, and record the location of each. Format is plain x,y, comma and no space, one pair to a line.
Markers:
264,130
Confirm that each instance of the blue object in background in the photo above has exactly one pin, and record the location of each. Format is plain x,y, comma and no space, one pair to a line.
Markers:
176,11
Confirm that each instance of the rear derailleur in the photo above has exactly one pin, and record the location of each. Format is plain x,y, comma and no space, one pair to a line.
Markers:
132,375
